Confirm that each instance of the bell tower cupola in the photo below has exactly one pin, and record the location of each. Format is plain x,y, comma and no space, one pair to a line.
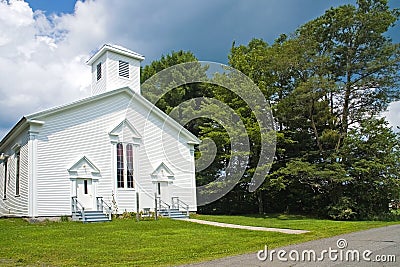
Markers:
114,67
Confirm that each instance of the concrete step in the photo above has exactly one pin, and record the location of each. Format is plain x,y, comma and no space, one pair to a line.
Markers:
92,216
91,220
173,214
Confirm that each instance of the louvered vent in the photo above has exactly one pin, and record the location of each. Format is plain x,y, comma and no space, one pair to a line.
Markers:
99,71
123,69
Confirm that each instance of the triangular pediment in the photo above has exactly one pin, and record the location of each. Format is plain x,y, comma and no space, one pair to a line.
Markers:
162,173
84,167
125,131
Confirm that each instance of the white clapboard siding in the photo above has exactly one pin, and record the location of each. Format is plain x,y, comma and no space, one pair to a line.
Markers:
126,199
99,86
66,137
15,205
115,81
70,133
162,143
3,208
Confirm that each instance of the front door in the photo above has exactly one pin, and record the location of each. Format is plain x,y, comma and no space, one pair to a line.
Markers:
84,193
163,192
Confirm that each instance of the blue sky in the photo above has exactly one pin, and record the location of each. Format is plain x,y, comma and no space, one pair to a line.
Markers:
53,6
44,44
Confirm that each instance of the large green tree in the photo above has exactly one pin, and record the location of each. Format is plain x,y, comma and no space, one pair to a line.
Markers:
364,62
325,80
171,96
326,83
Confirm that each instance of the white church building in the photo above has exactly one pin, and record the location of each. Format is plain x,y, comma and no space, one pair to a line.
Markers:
111,151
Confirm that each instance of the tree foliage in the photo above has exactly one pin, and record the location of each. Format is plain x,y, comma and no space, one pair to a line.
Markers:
327,84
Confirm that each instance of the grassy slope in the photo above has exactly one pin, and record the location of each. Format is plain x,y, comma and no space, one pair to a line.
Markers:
150,243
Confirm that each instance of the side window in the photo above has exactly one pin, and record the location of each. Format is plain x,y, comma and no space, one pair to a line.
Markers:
17,172
5,162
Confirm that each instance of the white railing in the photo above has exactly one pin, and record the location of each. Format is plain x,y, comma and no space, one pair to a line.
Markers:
161,205
177,204
77,207
103,207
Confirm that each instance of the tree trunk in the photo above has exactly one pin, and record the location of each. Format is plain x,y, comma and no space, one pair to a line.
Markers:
346,105
260,202
314,127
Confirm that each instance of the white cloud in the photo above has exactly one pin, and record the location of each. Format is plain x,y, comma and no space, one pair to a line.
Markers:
35,73
393,116
42,58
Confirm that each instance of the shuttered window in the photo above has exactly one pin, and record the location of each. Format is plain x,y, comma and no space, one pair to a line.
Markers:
123,69
99,71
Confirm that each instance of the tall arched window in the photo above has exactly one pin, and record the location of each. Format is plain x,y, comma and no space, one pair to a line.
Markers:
129,166
120,165
125,177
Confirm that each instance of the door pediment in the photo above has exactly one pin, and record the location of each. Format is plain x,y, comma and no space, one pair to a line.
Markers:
162,173
84,168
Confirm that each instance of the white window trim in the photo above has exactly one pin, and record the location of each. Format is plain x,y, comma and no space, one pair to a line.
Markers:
17,172
119,69
6,178
125,170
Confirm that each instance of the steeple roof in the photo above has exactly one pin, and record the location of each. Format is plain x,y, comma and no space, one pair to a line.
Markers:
116,49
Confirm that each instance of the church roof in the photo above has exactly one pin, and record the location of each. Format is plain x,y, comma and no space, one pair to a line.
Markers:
35,117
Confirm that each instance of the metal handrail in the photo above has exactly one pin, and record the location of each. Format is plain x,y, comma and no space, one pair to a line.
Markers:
76,209
176,204
162,204
101,205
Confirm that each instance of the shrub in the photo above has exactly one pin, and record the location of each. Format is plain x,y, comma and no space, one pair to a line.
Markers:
343,210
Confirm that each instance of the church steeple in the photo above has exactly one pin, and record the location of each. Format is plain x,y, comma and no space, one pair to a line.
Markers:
114,67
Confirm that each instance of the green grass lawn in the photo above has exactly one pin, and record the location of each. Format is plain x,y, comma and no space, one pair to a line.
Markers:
152,243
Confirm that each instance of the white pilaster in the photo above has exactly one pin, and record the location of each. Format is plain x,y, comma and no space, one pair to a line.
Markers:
32,174
193,177
136,172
